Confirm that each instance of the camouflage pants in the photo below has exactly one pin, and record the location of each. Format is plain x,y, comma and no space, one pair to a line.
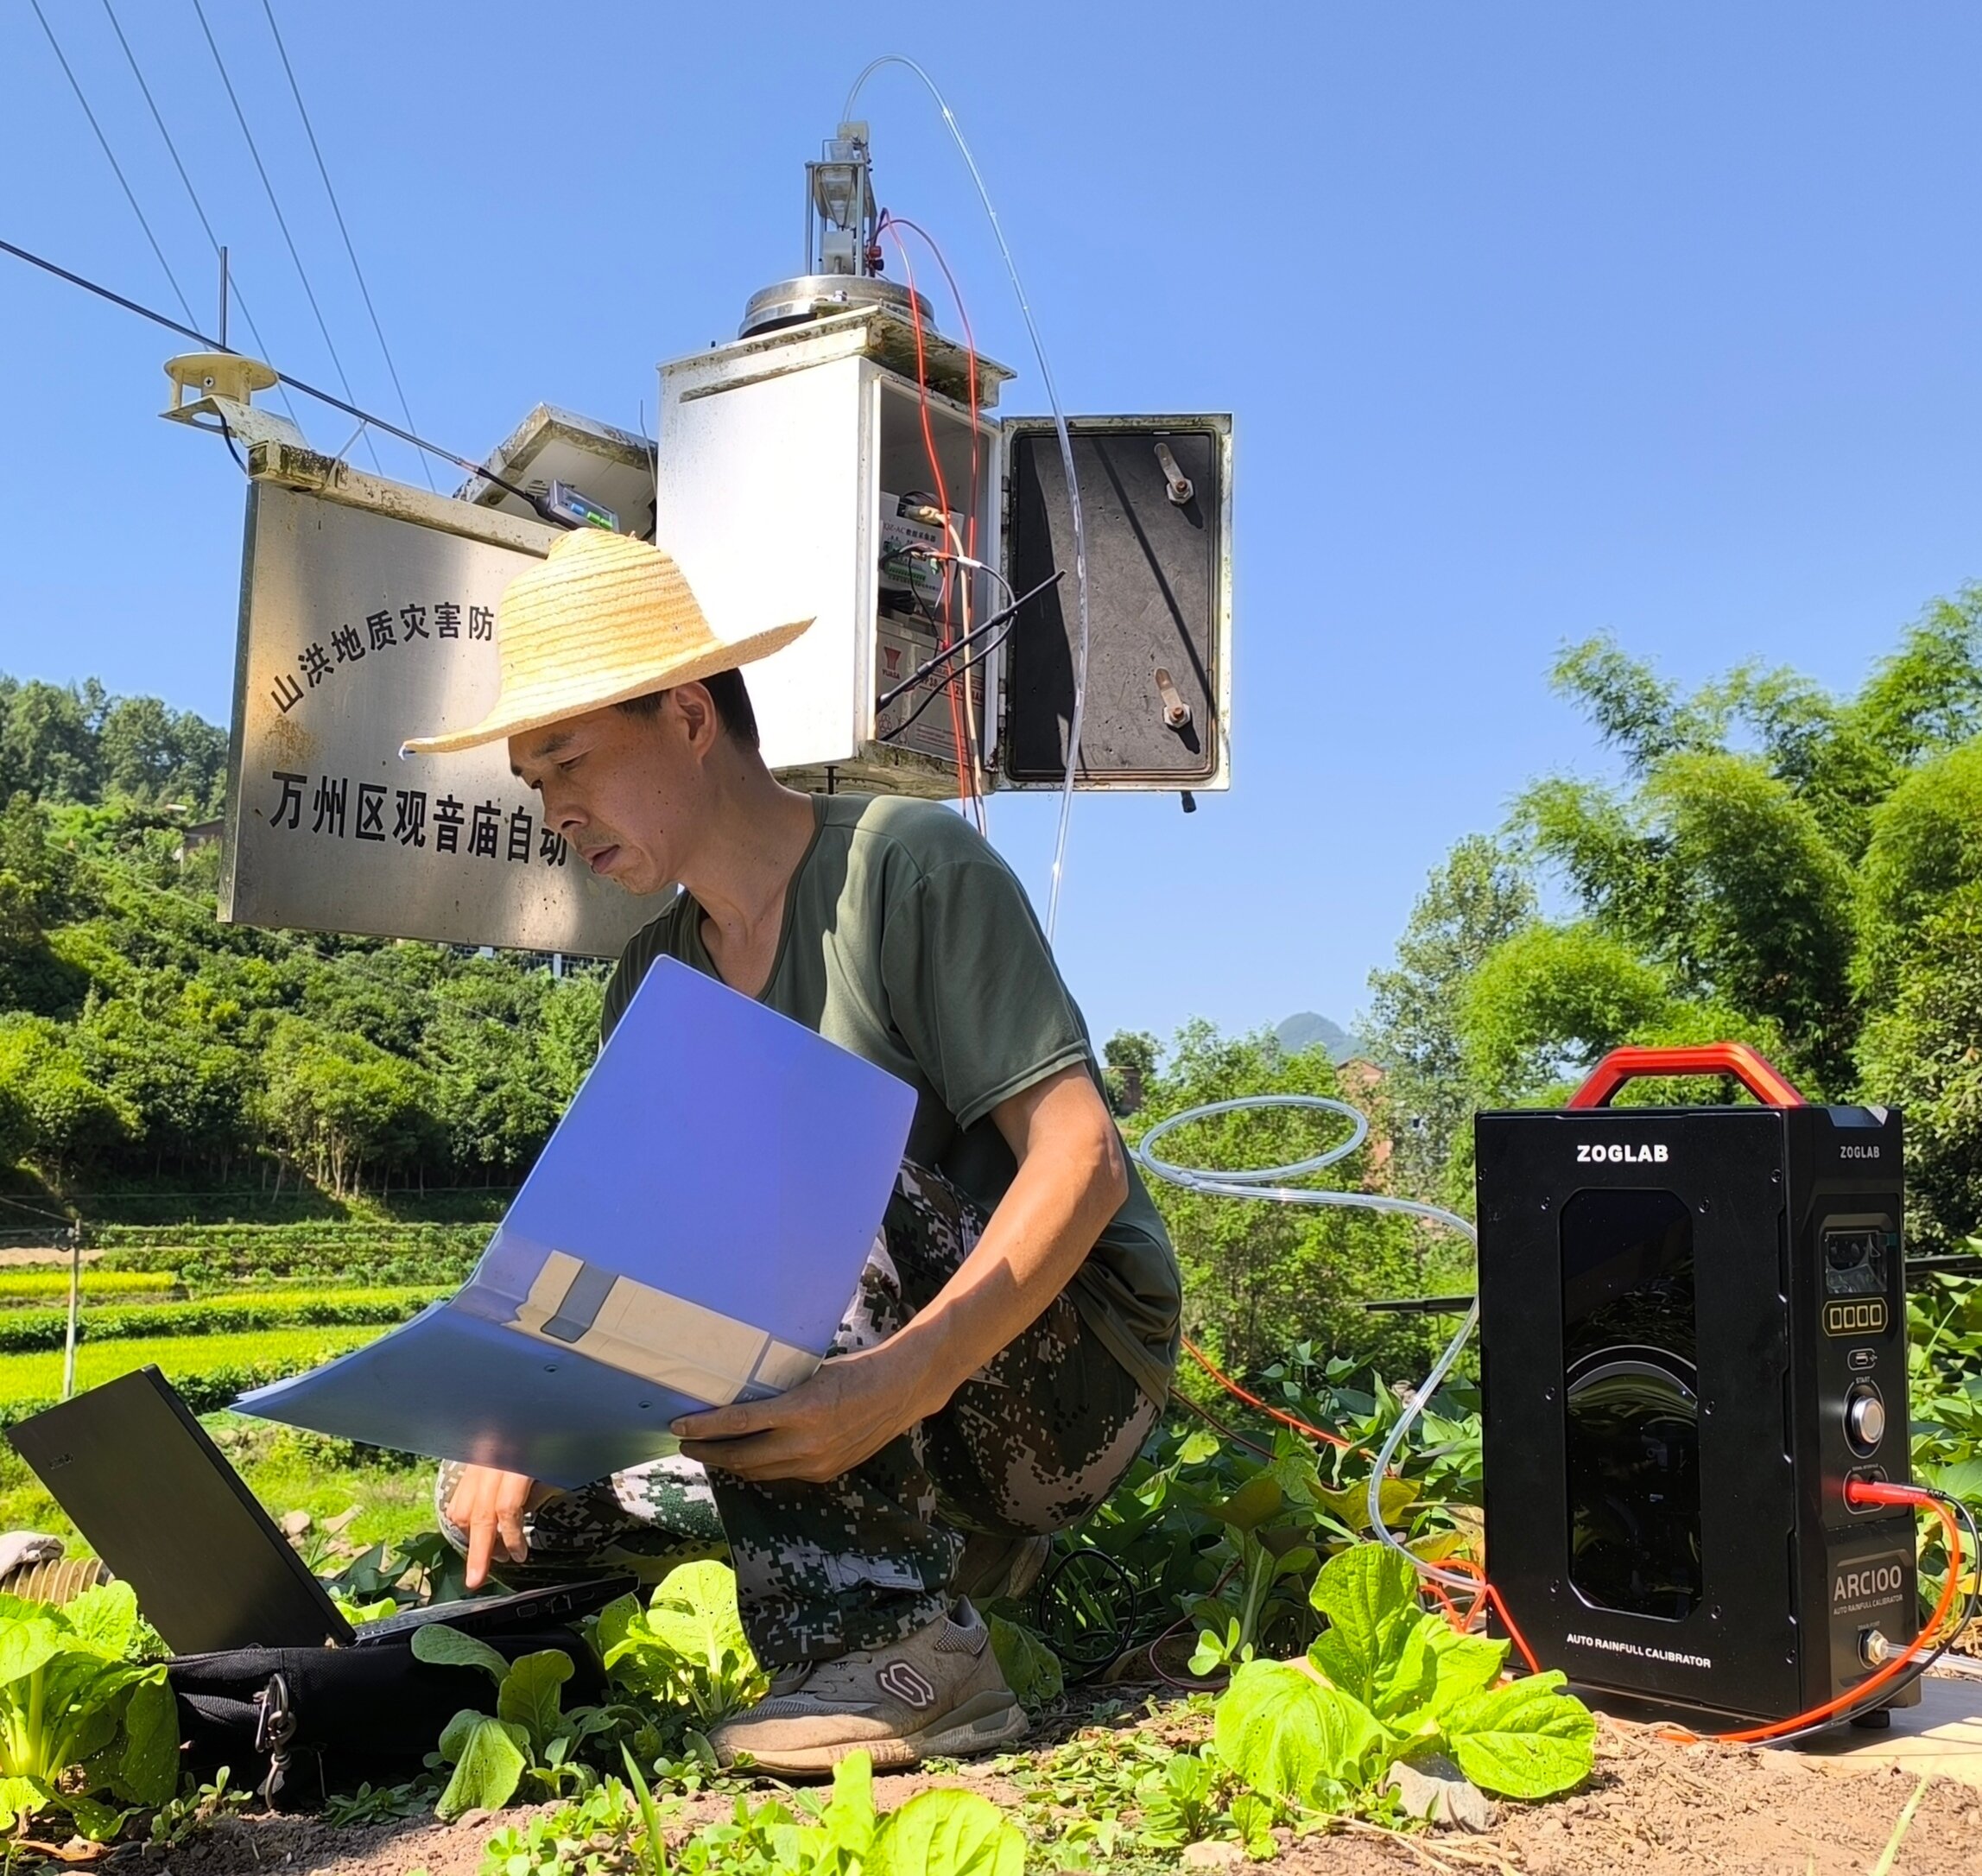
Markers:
1028,1444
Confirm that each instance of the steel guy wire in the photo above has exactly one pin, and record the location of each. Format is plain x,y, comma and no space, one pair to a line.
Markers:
192,194
55,47
309,131
281,222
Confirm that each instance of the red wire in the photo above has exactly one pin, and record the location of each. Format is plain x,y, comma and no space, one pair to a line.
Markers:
1238,1392
1865,1492
966,764
1489,1597
970,351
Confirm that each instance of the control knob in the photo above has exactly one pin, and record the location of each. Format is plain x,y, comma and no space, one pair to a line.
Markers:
1864,1419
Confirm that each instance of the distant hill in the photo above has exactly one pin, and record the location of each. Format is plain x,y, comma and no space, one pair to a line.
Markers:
1309,1031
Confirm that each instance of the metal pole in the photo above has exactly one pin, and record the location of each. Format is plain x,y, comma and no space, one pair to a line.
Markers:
223,298
75,1306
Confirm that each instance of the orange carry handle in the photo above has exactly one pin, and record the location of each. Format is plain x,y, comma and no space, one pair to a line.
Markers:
1750,1067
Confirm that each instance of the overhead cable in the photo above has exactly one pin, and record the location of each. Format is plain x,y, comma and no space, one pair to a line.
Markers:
281,222
55,47
309,131
536,502
192,195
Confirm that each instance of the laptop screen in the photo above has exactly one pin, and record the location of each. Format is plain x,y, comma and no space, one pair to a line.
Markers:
158,1502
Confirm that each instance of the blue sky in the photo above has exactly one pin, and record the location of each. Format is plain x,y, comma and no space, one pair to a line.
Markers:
1537,320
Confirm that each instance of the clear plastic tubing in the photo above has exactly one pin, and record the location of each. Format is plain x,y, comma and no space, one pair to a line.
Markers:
1066,438
1268,1183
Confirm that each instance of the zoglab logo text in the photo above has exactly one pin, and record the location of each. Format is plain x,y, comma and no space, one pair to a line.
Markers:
1621,1153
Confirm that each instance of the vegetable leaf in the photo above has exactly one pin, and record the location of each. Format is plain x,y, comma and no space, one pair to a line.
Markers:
1527,1740
22,1797
1285,1734
448,1647
149,1771
1369,1596
694,1612
529,1696
26,1645
488,1761
1032,1670
1466,1664
947,1833
106,1619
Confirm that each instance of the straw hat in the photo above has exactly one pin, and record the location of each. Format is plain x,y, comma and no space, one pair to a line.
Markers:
603,619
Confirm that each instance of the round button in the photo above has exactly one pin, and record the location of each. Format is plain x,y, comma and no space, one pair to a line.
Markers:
1864,1421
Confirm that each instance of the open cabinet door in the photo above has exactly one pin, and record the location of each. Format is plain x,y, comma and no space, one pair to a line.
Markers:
1155,496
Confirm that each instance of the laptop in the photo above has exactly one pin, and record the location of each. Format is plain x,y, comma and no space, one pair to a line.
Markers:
160,1505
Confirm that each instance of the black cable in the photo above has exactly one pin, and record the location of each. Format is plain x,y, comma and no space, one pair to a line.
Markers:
323,170
118,167
970,638
227,436
192,195
936,691
537,504
309,292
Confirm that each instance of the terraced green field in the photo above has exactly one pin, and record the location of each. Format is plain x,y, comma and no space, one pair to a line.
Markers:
226,1336
34,1283
266,1353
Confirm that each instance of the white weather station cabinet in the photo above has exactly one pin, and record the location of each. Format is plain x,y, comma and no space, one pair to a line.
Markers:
842,459
802,470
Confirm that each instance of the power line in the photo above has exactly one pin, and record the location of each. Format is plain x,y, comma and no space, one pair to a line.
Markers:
309,131
536,503
157,118
240,117
54,47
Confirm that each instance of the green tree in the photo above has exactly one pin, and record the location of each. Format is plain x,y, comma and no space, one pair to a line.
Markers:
155,754
1260,1276
71,1119
48,739
1923,1052
1476,898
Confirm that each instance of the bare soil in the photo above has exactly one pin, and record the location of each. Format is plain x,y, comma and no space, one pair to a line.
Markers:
1652,1807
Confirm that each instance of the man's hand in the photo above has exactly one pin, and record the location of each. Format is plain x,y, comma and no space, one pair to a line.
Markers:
1072,1177
489,1506
848,1409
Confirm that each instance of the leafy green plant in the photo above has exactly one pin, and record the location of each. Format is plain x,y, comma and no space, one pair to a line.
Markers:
1386,1682
379,1805
588,1836
85,1726
528,1737
686,1647
939,1833
1031,1669
179,1819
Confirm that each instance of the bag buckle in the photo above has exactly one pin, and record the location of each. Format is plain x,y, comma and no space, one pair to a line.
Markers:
275,1727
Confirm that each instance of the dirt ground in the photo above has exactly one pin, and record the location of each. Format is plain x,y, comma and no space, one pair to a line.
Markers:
1652,1808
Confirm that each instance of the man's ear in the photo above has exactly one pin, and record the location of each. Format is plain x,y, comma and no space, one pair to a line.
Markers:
697,710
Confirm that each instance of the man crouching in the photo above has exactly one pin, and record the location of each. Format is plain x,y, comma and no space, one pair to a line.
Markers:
1011,1343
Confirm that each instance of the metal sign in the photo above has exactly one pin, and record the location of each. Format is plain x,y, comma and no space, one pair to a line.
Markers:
362,623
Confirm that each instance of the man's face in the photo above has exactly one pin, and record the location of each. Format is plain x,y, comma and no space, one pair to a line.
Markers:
628,792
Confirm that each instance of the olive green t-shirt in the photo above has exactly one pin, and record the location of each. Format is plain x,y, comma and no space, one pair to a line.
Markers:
907,940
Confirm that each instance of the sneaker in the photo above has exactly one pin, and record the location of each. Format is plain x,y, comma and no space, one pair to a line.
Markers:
993,1569
939,1691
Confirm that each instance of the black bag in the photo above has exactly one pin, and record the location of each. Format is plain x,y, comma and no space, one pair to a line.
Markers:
305,1722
